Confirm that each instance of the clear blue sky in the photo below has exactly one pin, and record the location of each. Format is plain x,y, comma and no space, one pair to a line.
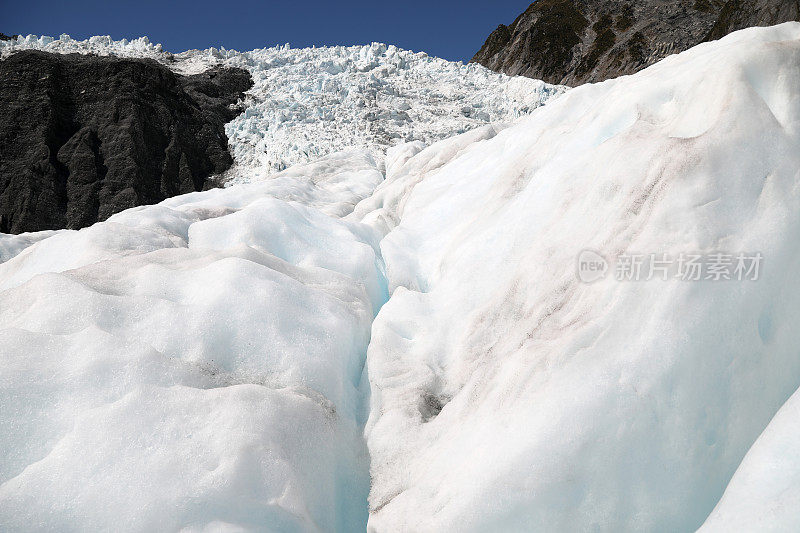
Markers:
451,29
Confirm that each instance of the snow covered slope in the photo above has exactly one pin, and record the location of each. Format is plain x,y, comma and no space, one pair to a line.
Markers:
764,494
310,102
200,364
195,364
507,395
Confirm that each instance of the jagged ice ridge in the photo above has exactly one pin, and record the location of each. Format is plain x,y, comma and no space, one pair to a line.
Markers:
310,102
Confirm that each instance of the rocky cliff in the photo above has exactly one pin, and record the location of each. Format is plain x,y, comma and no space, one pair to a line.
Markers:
579,41
739,14
83,137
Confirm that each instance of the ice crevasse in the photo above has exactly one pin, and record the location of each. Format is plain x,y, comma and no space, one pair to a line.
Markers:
332,349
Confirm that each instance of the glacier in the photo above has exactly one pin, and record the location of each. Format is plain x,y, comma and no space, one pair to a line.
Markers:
764,494
396,339
310,102
196,364
529,399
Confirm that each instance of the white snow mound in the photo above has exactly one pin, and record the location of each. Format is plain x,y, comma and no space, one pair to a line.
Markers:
506,395
195,364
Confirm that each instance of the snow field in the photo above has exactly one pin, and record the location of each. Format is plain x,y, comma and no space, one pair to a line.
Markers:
527,399
195,364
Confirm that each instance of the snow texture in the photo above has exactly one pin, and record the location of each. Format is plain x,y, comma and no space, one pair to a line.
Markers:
11,245
310,102
508,396
274,355
195,364
764,494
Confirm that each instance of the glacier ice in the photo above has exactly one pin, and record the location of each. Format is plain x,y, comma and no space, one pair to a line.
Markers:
11,245
527,399
310,102
195,364
398,338
764,494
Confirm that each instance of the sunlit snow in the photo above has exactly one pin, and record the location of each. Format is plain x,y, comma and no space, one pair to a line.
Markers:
403,344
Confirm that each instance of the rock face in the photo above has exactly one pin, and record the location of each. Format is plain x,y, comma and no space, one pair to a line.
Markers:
580,41
739,14
84,137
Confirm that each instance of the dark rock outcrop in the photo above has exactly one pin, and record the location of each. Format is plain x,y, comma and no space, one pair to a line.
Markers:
84,137
580,41
740,14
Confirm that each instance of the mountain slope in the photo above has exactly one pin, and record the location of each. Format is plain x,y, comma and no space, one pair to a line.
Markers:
580,41
737,15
